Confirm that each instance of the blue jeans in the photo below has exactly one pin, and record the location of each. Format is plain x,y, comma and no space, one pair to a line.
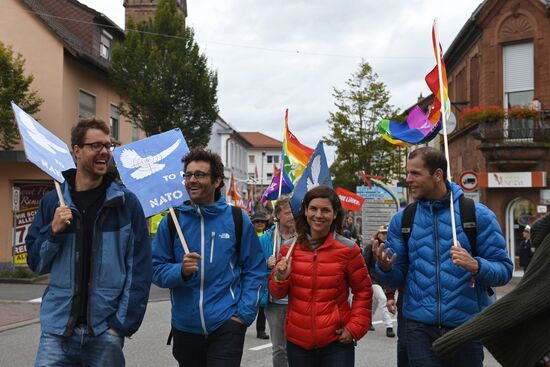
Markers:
80,349
276,314
333,355
419,348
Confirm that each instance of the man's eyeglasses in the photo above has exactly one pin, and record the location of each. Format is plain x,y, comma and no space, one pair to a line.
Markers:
96,147
198,175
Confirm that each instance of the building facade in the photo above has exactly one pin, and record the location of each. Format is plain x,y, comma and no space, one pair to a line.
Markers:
501,58
67,48
264,155
233,149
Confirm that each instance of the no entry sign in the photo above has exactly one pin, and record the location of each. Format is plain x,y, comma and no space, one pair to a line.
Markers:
468,181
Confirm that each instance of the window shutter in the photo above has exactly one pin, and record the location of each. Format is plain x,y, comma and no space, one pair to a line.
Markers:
518,67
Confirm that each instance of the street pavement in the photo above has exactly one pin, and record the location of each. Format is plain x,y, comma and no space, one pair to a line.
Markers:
19,339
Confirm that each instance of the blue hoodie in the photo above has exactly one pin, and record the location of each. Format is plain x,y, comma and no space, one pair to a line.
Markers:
224,286
437,292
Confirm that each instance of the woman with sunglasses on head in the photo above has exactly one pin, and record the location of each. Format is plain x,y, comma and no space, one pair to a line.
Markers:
321,325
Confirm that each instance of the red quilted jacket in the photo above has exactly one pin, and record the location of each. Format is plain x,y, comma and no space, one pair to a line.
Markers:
318,292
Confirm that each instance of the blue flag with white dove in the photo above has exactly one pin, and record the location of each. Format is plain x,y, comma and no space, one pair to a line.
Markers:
44,149
316,174
152,169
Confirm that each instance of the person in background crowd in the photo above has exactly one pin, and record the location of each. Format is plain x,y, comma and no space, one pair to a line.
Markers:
275,309
525,252
396,306
260,221
214,288
379,298
321,325
97,250
349,230
516,328
445,283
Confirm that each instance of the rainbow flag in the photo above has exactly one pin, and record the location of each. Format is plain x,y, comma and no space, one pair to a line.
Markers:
295,156
432,79
419,128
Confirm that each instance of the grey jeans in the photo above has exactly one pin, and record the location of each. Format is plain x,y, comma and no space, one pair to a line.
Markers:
275,314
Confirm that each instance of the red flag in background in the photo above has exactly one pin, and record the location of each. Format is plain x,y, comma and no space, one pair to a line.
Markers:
350,200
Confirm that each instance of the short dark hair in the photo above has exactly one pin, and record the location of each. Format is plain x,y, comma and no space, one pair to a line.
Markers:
216,165
319,192
78,132
281,201
432,158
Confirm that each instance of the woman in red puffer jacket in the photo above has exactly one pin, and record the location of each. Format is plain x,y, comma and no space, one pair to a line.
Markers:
321,325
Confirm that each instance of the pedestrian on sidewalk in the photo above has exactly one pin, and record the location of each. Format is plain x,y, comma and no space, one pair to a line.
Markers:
260,220
215,288
516,328
97,250
379,297
321,326
445,283
275,309
525,252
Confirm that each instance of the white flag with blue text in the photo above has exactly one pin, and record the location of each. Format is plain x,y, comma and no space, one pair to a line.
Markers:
44,149
153,170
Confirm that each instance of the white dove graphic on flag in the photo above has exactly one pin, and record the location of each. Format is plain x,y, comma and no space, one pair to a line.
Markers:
145,166
38,137
313,179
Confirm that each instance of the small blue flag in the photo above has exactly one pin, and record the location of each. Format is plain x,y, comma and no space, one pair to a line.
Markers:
315,174
153,170
44,149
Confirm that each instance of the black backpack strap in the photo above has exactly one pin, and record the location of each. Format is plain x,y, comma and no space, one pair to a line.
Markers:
468,218
407,223
238,221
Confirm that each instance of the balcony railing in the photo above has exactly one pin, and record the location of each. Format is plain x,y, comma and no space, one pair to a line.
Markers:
513,131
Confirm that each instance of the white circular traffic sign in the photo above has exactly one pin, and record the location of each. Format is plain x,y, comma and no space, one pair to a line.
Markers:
468,180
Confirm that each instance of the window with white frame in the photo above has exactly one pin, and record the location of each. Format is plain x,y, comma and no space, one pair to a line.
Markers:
519,78
105,45
87,104
114,121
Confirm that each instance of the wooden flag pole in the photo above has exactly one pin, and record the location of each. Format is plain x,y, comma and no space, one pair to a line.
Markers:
178,229
291,250
59,193
275,234
444,120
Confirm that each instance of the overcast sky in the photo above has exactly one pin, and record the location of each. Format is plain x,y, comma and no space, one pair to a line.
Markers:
271,55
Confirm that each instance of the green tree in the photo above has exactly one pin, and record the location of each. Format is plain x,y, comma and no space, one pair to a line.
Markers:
163,77
359,146
14,86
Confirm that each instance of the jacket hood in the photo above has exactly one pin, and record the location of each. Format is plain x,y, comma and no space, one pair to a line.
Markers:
114,191
212,209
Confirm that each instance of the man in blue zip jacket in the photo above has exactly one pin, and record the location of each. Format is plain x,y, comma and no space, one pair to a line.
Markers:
98,253
444,285
215,289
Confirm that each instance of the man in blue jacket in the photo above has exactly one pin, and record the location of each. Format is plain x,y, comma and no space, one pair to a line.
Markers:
215,288
97,250
444,285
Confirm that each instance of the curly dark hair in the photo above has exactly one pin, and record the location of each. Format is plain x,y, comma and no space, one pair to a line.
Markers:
319,192
78,132
216,165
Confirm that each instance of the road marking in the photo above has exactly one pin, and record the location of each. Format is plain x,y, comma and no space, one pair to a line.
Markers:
260,347
36,300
